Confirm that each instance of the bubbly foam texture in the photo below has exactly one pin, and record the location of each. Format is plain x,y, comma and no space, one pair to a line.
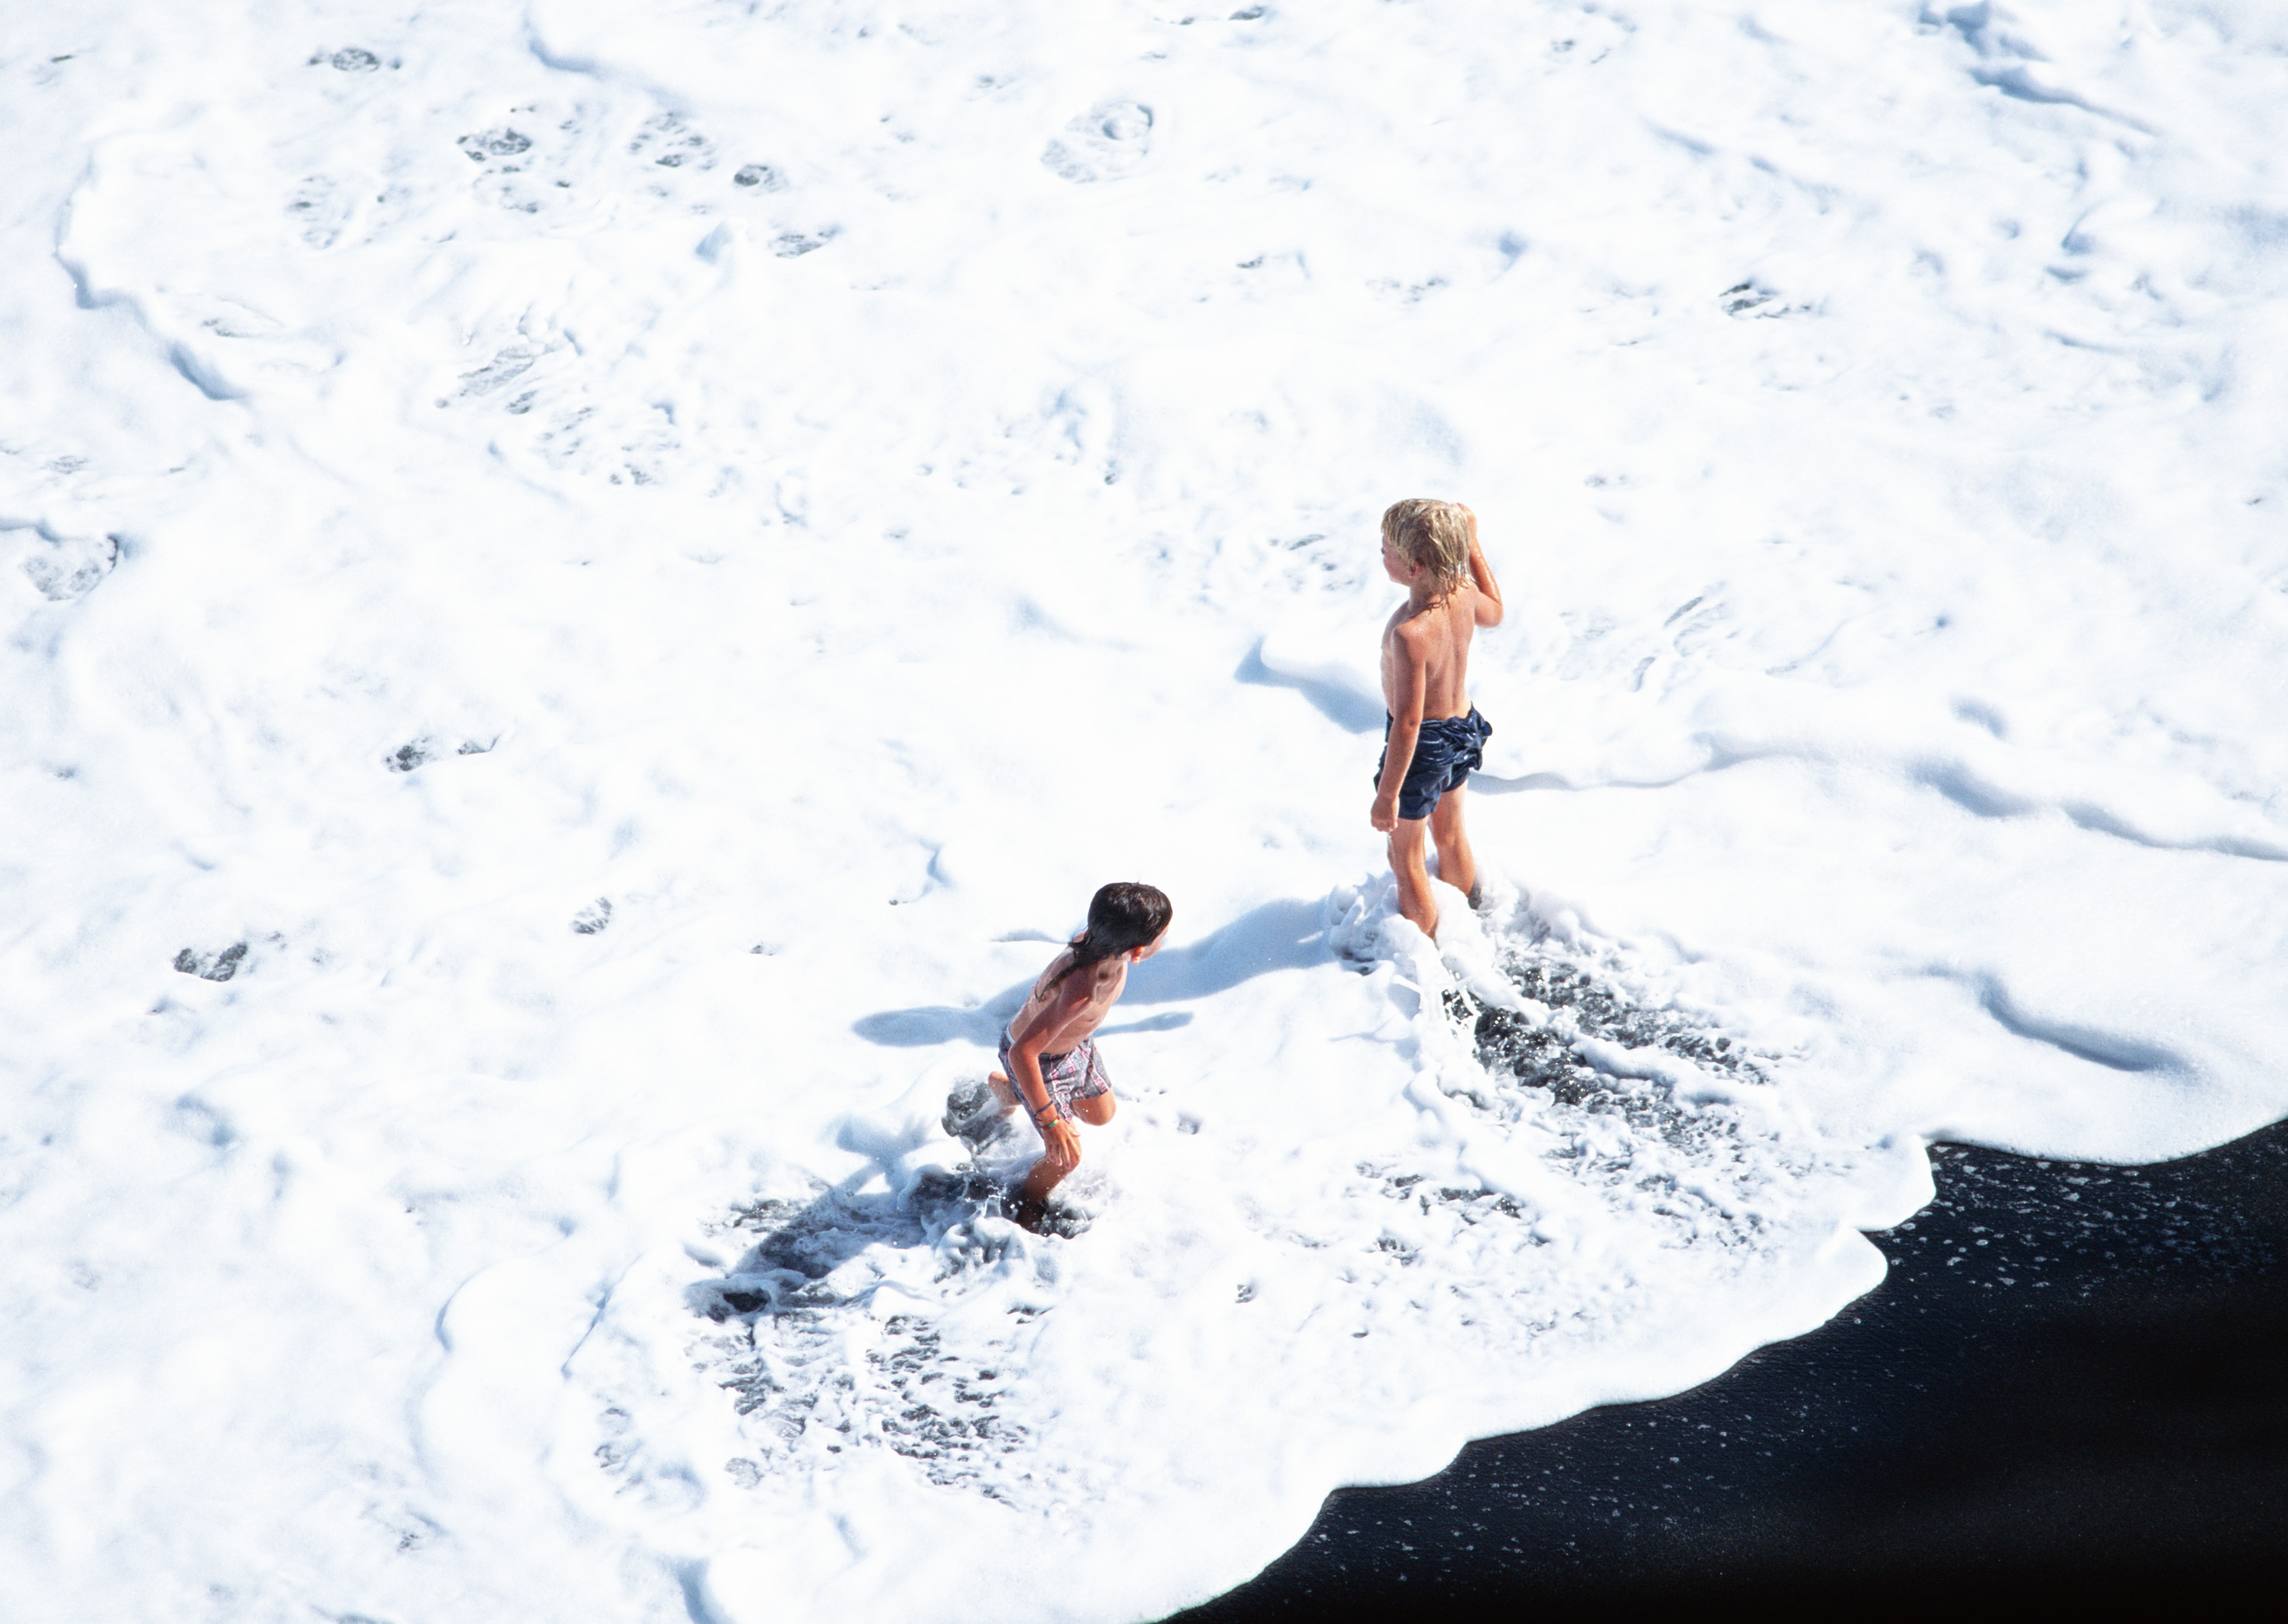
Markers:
587,593
1494,1209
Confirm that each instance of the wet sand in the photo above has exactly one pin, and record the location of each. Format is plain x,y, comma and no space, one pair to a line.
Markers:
2069,1387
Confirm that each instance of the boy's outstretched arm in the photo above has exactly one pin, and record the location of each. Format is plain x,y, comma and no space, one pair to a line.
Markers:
1489,603
1057,1134
1407,668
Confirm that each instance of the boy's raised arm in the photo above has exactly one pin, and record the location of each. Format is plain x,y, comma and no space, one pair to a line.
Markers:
1489,603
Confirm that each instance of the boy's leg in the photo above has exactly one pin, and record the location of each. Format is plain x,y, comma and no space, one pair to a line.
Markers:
1096,1110
1457,865
1045,1177
1033,1196
1032,1204
1060,1156
1091,1100
1408,861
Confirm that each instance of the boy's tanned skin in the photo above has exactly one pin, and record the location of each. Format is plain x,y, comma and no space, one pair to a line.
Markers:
1425,658
1053,1024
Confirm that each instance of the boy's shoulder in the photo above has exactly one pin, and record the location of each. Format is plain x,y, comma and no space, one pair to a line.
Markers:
1417,623
1407,625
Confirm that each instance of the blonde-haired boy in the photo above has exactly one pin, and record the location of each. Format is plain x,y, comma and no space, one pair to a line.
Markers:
1434,736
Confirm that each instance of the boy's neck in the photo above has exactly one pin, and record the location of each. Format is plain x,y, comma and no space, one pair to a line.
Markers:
1426,592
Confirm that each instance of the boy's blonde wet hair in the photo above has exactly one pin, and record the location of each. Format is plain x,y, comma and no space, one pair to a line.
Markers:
1433,534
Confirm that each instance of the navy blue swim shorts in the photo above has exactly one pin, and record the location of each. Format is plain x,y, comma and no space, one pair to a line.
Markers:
1449,750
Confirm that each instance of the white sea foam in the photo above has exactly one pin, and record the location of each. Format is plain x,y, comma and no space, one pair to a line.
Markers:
588,592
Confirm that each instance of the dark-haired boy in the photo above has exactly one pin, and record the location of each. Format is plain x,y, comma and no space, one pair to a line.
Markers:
1049,1047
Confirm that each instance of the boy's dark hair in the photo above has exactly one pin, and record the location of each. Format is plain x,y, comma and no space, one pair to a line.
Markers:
1124,914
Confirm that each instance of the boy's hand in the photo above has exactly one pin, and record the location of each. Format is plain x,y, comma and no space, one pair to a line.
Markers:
1383,813
1061,1144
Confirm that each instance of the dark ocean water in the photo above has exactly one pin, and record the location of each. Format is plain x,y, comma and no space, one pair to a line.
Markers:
2072,1386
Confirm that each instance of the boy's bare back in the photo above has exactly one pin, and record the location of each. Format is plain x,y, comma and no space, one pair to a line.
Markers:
1061,1013
1426,644
1428,648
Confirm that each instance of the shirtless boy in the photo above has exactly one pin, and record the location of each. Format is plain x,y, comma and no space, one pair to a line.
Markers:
1435,735
1049,1051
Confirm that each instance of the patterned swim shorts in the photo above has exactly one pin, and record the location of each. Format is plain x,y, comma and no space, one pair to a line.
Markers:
1078,1074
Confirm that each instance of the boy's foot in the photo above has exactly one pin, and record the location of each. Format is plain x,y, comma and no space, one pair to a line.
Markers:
1045,1217
975,1114
1026,1213
1478,897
